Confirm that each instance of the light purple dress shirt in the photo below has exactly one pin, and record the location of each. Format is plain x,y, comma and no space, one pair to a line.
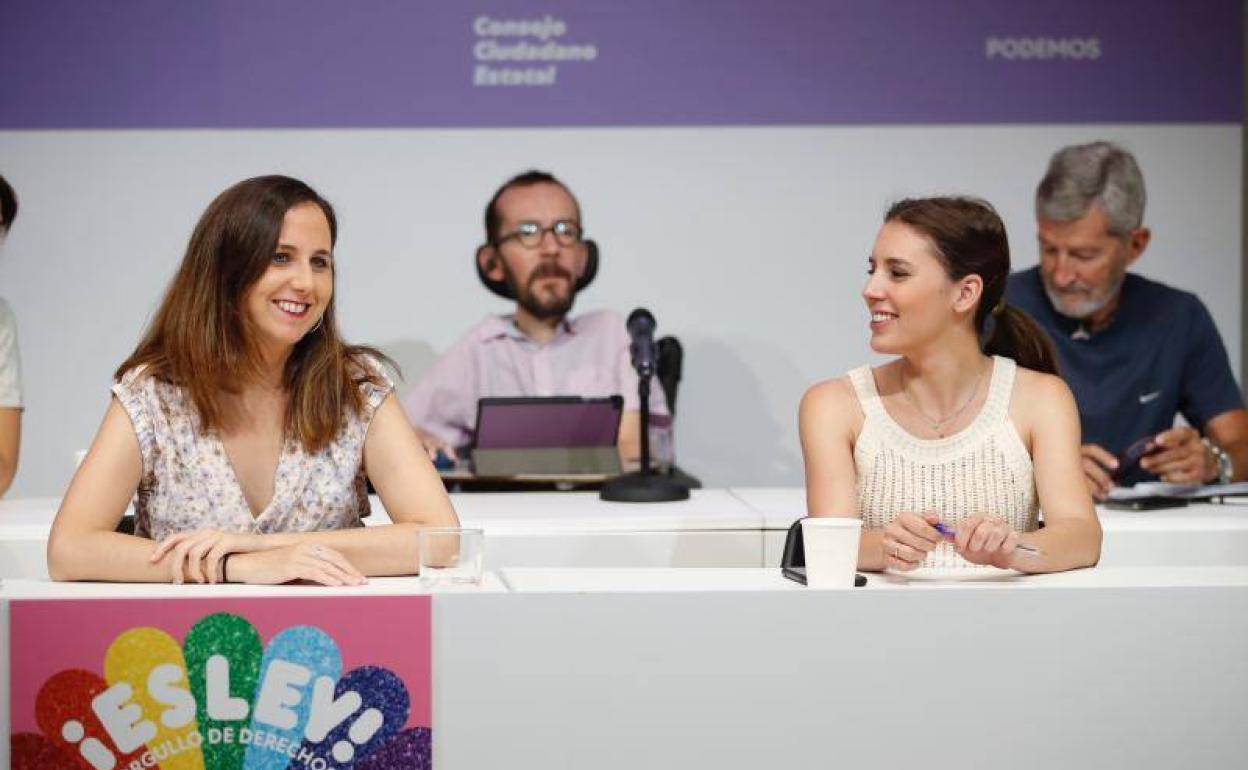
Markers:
588,356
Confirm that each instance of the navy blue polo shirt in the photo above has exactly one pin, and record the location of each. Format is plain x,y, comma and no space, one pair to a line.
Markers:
1160,356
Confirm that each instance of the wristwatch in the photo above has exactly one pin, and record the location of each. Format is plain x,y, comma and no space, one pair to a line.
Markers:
1226,469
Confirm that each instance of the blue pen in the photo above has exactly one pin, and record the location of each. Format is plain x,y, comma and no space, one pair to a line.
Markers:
948,531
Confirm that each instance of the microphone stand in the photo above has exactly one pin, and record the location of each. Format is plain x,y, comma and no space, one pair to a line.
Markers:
644,485
643,396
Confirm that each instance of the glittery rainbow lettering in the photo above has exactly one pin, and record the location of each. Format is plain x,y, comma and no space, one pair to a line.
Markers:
295,663
149,663
223,655
382,709
223,701
63,711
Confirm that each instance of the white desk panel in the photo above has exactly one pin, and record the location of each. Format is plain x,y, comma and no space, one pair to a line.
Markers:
779,506
608,580
726,548
376,586
24,527
660,580
567,529
1101,668
577,529
27,558
705,510
742,669
32,512
1196,535
716,528
24,557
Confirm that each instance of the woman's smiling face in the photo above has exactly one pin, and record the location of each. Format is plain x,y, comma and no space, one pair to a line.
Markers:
908,293
290,297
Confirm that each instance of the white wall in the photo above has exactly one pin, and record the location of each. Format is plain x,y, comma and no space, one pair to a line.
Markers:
748,243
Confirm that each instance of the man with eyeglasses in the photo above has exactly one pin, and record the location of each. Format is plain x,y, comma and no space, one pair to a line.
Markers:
536,255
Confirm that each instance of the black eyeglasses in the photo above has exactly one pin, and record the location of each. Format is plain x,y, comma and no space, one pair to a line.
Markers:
530,234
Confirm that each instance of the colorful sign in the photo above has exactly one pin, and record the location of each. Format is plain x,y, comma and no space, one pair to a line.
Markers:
431,63
323,683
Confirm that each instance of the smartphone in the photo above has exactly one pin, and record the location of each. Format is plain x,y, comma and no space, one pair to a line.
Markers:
1151,503
798,575
793,560
1131,456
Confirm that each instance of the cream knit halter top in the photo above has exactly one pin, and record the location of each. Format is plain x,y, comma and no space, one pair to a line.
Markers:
982,469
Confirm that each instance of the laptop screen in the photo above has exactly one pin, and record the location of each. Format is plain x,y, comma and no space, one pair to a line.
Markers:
549,422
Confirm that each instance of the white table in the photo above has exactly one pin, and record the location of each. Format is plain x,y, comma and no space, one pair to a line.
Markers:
570,529
577,529
24,526
741,527
1204,533
1199,534
662,668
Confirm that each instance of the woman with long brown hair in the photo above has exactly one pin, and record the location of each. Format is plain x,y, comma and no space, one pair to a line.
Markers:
948,451
244,428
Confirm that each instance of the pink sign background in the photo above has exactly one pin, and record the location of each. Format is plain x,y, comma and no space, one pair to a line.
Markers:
50,636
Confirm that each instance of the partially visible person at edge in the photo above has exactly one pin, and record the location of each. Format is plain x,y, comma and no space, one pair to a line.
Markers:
1135,352
243,427
10,363
968,428
534,254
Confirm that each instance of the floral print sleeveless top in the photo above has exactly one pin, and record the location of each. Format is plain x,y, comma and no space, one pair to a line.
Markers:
188,482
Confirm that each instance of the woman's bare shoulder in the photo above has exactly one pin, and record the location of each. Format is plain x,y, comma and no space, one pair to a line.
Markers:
1041,389
833,405
1041,400
830,393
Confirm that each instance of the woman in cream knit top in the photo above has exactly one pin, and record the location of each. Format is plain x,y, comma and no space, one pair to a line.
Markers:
983,468
968,430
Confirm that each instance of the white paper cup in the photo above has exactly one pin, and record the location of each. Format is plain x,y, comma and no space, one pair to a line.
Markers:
831,545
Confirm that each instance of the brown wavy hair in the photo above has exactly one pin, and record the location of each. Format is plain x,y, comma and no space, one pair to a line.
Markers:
969,239
200,338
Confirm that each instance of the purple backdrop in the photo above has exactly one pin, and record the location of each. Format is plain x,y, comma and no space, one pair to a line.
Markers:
401,63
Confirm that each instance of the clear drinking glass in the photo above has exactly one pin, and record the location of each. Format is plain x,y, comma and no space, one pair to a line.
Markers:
451,556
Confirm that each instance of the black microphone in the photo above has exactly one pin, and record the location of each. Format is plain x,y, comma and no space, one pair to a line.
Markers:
644,485
641,329
667,367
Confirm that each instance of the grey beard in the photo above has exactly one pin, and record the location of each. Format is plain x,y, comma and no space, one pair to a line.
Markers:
1087,307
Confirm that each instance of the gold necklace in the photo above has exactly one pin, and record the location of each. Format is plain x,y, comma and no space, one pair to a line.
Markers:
938,424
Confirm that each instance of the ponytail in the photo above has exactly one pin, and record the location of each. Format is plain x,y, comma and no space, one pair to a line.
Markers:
1010,332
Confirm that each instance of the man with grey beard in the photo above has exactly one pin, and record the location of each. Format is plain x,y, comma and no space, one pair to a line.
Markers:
534,254
1135,352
